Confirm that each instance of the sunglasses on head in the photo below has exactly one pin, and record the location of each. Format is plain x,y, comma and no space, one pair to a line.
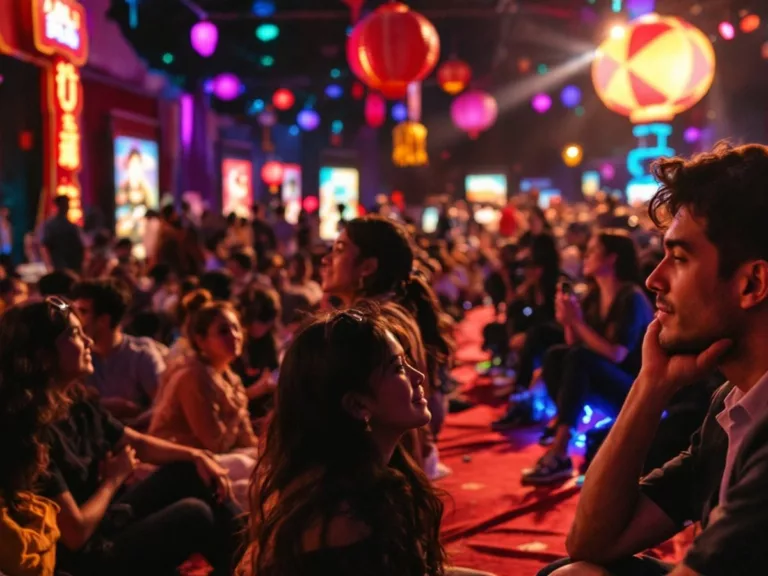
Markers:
58,305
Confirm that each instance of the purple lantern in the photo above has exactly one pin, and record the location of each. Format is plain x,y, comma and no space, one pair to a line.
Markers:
570,96
204,37
308,120
474,111
541,103
226,86
692,135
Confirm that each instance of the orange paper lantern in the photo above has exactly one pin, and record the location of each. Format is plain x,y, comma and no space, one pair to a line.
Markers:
283,99
454,75
391,48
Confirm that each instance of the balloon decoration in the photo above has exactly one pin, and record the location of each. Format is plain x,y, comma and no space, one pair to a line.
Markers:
204,37
573,154
409,144
392,47
659,68
541,103
283,99
474,112
454,75
272,173
308,120
226,86
375,110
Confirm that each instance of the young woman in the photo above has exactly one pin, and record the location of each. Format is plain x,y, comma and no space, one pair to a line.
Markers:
333,492
43,350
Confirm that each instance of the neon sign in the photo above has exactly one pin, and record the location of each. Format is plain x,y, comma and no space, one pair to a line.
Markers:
59,28
642,186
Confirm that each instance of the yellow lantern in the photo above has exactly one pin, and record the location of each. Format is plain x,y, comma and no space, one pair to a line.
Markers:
658,67
573,154
409,144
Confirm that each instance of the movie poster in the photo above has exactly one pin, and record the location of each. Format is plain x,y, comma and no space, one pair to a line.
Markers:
291,194
236,187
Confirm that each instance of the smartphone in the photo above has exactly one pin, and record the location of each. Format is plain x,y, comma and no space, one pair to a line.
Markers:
566,288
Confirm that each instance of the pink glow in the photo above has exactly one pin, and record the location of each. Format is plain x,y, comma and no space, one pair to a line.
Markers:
726,30
187,120
204,37
541,103
226,86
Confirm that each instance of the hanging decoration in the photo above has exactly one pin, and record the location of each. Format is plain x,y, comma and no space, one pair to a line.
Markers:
267,32
749,23
310,204
204,38
570,96
409,144
334,91
226,86
474,112
308,120
272,173
573,154
392,47
283,99
727,31
692,135
523,65
399,112
541,103
414,101
358,91
375,110
453,76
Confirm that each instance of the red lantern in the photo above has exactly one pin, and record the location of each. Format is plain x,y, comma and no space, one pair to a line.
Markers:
375,110
310,204
454,75
272,174
283,99
358,91
391,48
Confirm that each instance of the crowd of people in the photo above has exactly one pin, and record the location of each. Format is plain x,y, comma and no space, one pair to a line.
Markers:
250,398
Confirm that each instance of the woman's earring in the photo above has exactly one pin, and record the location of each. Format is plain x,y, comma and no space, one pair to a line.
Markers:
360,284
367,423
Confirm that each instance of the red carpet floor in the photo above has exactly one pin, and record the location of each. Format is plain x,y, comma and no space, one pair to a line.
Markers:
492,522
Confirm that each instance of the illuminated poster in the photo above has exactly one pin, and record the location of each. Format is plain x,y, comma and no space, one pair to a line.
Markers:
136,185
486,188
430,219
548,194
338,187
291,194
236,187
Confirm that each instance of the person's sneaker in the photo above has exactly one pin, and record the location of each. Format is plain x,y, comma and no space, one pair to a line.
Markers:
548,436
516,415
548,470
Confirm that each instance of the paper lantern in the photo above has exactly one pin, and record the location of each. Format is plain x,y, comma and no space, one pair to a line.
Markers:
308,120
310,204
474,112
204,37
272,173
392,47
283,99
375,110
541,103
659,68
226,86
573,154
409,144
454,75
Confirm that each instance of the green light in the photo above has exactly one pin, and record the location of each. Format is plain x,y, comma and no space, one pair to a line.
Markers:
168,58
267,32
579,110
542,68
267,61
337,126
335,73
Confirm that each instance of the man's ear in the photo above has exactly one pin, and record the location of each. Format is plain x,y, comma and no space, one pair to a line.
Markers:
753,283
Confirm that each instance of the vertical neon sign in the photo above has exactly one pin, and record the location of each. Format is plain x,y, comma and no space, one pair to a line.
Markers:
642,185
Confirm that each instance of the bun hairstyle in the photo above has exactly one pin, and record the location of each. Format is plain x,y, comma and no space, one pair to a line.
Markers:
191,303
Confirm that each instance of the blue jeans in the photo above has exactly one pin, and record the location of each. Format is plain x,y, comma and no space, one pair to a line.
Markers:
634,566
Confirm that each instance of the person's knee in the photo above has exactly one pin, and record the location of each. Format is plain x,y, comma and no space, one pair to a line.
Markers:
580,569
194,512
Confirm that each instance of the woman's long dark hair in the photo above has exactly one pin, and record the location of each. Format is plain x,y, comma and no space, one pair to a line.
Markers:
389,243
544,253
620,243
318,459
30,398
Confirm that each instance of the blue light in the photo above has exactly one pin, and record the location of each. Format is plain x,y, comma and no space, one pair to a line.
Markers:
570,96
399,112
334,91
587,418
263,8
349,30
208,86
293,130
133,13
337,126
616,6
643,185
256,106
308,120
335,73
603,423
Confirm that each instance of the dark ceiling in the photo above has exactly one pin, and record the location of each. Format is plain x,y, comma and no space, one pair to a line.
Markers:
492,35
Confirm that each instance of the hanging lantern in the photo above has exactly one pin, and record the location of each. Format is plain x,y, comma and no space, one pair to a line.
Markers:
453,76
659,67
573,154
391,48
226,86
283,99
409,144
204,37
375,110
308,120
474,112
541,103
310,204
272,173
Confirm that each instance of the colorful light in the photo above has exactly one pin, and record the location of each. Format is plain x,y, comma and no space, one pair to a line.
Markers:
308,120
764,50
692,135
335,73
256,106
337,127
541,103
607,171
570,96
263,8
453,76
375,110
474,112
268,118
399,112
272,174
749,23
267,32
167,58
573,154
293,130
358,91
204,38
637,8
726,30
267,61
542,68
661,67
310,204
334,91
283,99
409,145
226,86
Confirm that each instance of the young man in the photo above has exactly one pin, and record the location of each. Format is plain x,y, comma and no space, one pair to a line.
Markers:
712,298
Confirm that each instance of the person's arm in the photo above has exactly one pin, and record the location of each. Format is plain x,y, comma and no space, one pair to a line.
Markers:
156,451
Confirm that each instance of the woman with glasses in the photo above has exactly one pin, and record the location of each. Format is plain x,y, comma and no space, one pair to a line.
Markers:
334,492
43,351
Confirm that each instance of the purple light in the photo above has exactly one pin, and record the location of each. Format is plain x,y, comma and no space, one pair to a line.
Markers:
399,112
570,96
541,103
726,30
308,120
208,86
607,171
637,8
204,37
226,86
334,91
187,120
268,118
692,135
